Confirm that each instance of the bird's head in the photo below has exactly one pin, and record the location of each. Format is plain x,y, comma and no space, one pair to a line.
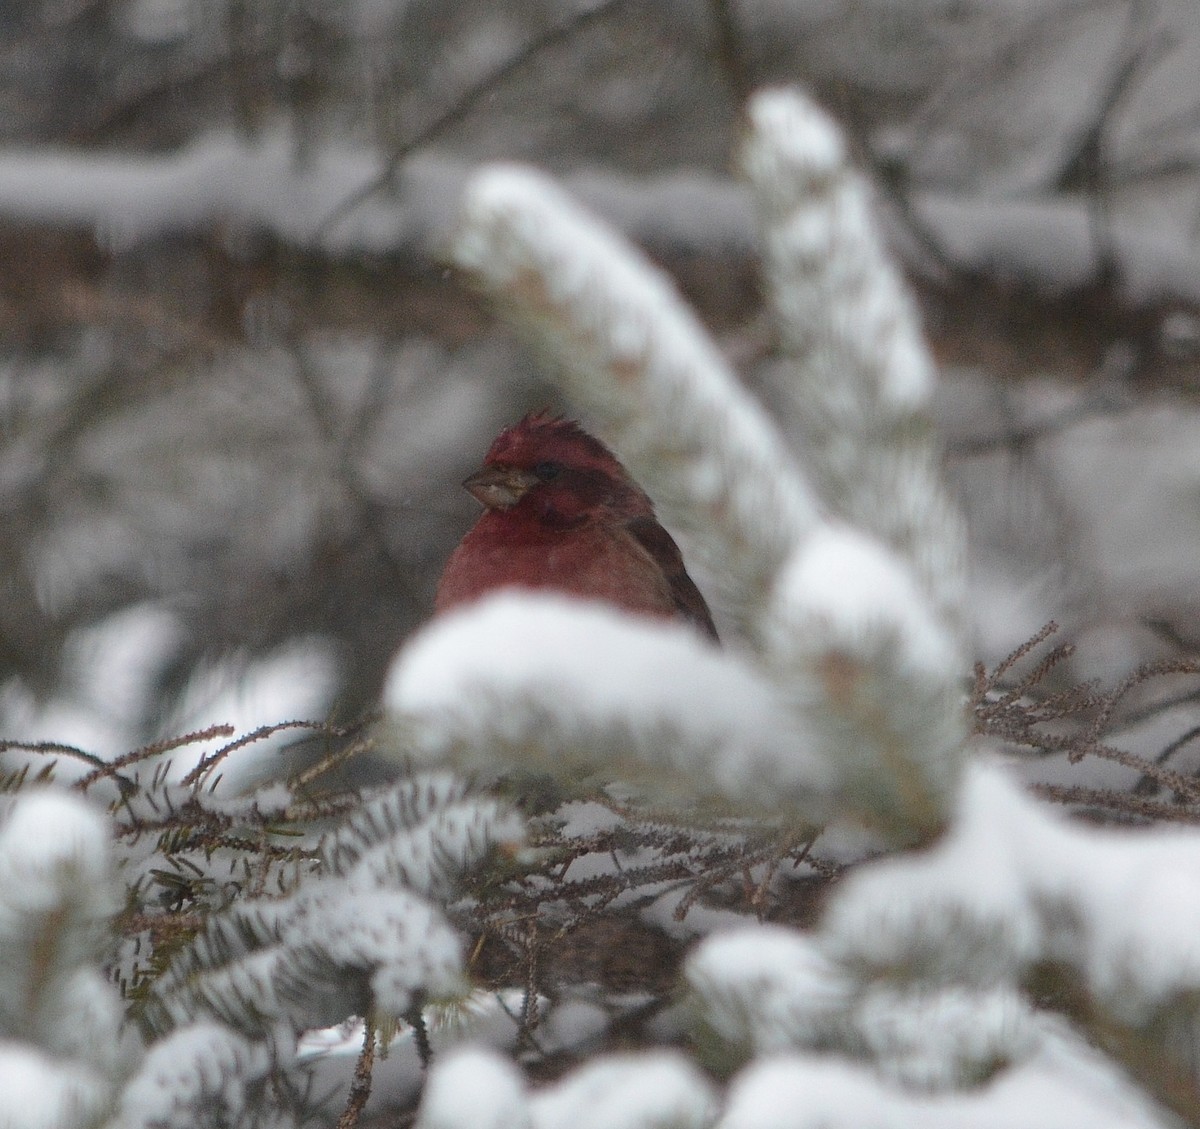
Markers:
551,469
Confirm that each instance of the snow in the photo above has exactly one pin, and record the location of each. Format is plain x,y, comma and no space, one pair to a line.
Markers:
876,677
1065,1085
855,377
254,183
260,183
841,306
1012,884
476,1088
768,990
793,149
77,1014
756,984
203,1065
37,1092
576,1025
307,961
652,1090
547,681
402,942
683,211
56,895
977,928
428,857
420,833
940,1038
55,855
820,1093
850,591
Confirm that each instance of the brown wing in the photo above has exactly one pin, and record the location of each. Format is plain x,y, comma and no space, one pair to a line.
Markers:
661,546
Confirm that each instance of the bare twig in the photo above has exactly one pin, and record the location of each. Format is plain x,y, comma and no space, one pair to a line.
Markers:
360,1087
154,749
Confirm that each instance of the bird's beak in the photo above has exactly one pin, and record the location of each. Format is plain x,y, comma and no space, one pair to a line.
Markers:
499,487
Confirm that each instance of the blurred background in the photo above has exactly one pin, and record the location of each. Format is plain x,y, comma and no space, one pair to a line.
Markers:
239,388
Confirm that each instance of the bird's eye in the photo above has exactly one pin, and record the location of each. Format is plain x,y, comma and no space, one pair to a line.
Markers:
547,471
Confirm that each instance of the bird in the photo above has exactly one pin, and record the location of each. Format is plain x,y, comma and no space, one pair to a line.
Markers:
562,514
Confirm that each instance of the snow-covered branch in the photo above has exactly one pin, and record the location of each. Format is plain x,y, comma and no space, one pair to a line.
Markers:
508,681
874,672
920,968
858,375
1103,921
200,1075
264,184
769,991
360,935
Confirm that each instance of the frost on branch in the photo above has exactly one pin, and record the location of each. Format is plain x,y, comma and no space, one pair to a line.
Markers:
331,950
506,680
856,376
360,935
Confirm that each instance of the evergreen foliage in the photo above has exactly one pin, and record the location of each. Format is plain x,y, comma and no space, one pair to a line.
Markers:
167,947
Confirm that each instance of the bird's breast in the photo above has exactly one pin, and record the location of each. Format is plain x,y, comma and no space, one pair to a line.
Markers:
594,561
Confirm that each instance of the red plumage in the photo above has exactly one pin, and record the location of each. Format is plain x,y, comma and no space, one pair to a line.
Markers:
562,513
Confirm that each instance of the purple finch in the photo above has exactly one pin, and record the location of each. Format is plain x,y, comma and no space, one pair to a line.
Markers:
563,514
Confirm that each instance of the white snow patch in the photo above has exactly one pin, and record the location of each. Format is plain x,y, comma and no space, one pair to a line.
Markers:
858,593
473,1087
589,669
54,852
38,1092
821,1093
655,1089
794,146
